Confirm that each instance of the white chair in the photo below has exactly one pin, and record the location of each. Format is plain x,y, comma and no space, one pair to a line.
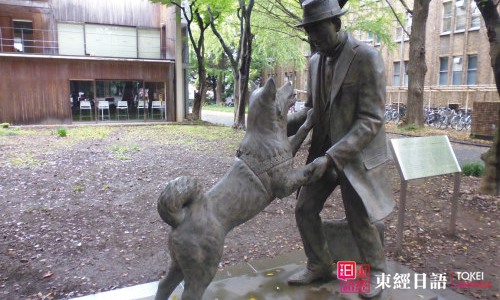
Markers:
157,105
121,106
85,105
102,106
142,104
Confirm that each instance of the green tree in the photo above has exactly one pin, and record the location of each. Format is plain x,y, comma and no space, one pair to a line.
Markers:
239,55
195,17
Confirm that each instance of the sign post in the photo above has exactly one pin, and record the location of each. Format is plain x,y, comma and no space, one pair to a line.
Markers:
421,157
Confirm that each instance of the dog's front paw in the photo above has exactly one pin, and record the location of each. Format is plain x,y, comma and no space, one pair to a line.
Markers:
308,124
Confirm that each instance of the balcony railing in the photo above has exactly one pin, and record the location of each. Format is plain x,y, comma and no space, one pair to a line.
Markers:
85,40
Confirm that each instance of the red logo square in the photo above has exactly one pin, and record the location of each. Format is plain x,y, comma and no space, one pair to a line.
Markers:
346,270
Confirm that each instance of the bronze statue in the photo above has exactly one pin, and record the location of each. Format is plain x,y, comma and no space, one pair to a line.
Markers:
262,170
347,92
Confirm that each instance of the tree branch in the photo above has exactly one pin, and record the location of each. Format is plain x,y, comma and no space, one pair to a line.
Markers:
227,50
397,17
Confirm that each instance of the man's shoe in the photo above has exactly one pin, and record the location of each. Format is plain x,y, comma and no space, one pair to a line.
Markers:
375,289
307,277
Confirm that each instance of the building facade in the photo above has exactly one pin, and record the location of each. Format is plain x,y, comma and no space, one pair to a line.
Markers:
457,57
57,56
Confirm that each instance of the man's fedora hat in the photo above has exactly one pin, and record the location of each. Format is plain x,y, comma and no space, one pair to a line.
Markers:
319,10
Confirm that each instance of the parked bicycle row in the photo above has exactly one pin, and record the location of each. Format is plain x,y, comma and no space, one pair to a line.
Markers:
438,117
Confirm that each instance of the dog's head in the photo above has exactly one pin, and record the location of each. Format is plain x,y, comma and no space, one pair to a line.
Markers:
269,107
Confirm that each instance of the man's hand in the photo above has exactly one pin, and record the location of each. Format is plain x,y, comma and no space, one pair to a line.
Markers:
319,166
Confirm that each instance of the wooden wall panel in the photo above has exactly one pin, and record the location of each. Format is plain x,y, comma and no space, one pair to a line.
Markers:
35,90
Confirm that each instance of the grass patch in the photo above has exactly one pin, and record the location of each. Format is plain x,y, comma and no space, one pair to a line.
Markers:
78,188
473,169
9,131
222,108
26,160
121,152
452,134
89,132
409,127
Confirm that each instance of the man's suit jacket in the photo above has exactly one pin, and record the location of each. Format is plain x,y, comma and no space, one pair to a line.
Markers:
353,120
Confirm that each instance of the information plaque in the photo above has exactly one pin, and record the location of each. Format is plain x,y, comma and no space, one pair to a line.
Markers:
420,157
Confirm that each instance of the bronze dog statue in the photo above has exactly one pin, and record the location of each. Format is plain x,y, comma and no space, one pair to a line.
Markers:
262,170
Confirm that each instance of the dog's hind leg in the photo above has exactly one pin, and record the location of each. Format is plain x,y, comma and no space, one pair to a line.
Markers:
168,284
197,281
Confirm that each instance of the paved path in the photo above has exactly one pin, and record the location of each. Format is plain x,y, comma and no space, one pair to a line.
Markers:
464,153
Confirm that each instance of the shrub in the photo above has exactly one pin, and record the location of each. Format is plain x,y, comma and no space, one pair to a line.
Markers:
473,169
61,132
5,125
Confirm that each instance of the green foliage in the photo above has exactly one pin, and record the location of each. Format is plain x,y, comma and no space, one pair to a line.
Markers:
61,132
361,17
4,125
473,169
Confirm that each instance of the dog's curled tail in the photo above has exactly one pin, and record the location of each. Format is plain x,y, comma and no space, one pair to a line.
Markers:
176,197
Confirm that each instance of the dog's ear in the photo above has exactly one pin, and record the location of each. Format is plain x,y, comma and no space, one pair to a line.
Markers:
270,87
253,86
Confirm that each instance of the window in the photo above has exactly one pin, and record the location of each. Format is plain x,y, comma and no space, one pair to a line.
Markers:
112,41
460,15
396,77
457,70
471,69
23,36
377,40
149,43
399,34
70,39
447,9
475,16
399,30
405,75
443,71
107,40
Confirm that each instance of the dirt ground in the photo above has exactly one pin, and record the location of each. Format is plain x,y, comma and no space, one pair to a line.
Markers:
78,213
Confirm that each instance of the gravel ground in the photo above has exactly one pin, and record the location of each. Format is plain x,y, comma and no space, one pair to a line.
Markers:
78,213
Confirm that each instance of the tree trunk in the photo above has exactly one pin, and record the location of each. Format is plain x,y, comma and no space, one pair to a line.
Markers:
416,66
236,93
202,89
219,82
246,58
491,181
219,89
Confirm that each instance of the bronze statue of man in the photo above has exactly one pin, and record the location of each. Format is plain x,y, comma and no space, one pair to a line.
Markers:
347,91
